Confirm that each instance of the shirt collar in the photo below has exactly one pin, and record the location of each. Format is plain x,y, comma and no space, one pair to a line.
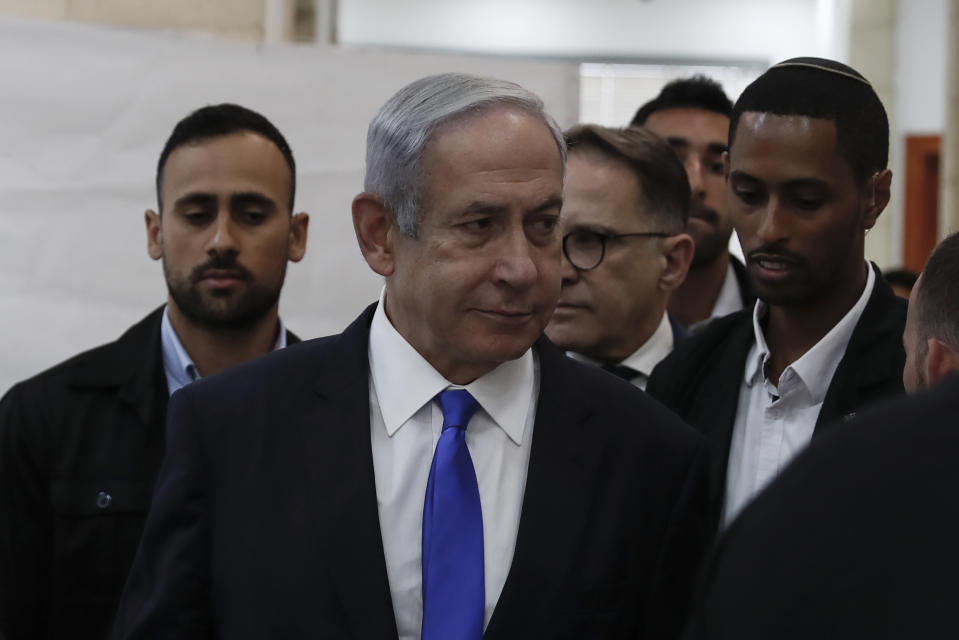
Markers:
177,363
656,347
730,299
644,359
815,367
404,381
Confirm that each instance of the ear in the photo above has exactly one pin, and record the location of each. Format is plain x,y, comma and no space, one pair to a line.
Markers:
940,361
299,224
878,197
154,225
375,231
678,251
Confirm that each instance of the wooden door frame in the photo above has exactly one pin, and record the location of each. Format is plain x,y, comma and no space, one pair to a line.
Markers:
921,221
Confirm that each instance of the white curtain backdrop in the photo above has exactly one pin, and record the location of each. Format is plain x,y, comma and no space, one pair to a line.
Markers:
84,112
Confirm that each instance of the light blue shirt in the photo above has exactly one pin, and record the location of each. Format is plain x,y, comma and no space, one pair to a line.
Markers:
177,363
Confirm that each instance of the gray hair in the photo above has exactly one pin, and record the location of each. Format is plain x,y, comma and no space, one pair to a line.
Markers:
401,128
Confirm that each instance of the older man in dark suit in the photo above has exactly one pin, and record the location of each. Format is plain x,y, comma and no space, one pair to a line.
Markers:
336,491
80,444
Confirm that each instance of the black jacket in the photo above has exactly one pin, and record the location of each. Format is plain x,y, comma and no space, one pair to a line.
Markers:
700,379
80,445
855,539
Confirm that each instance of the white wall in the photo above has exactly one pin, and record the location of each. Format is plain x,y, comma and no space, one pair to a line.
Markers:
920,90
921,34
750,30
84,114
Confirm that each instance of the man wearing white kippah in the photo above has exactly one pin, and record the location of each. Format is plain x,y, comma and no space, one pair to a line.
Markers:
806,179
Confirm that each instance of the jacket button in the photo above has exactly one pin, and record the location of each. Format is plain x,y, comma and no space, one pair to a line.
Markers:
104,500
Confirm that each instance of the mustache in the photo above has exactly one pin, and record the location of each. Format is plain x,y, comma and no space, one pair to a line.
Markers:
773,251
221,262
703,212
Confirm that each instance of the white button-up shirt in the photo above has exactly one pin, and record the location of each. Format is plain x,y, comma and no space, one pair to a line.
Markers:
774,423
405,427
177,363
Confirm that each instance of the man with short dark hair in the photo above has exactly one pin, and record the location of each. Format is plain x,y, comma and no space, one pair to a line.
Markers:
806,179
80,444
692,114
625,250
857,537
438,470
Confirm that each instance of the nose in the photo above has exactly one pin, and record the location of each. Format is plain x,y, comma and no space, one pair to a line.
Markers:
222,240
772,225
516,265
694,173
568,272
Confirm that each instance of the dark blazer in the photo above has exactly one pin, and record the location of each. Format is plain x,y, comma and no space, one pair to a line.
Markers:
701,378
855,539
265,523
80,445
680,332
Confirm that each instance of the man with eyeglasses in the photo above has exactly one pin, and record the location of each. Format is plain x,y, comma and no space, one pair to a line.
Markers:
625,249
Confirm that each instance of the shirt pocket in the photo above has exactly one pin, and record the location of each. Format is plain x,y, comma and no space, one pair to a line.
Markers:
96,529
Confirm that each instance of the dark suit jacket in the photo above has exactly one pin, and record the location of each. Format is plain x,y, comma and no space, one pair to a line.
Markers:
80,445
856,539
701,378
680,332
265,523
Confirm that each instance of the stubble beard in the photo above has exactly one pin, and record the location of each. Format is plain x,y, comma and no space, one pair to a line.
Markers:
224,310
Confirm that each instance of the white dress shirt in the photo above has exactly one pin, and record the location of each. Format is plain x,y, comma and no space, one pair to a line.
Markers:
177,363
643,360
774,423
405,427
730,299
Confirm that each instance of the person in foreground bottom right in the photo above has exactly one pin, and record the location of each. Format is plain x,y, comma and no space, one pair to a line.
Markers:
856,539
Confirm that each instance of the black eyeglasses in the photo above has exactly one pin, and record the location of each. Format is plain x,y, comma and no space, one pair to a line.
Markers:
586,249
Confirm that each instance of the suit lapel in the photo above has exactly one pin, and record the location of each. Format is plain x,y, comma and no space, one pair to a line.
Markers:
872,364
336,428
718,402
563,468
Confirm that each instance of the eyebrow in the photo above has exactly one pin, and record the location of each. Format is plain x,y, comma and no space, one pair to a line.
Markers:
195,198
552,202
591,228
796,183
238,199
801,183
712,147
241,198
718,148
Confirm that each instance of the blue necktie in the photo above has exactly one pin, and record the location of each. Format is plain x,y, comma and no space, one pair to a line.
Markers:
454,595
